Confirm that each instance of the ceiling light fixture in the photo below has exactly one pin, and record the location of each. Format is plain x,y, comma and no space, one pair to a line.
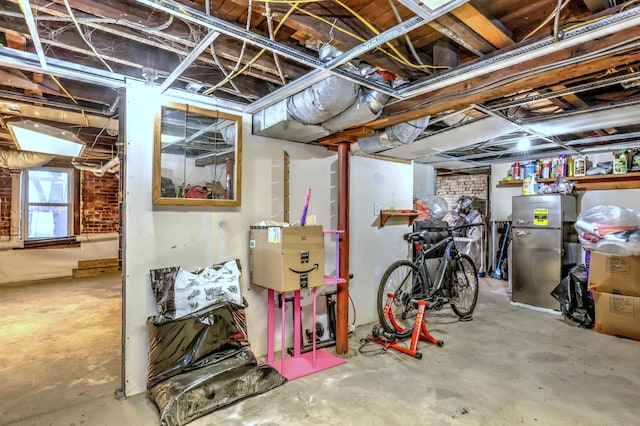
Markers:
431,9
524,143
37,137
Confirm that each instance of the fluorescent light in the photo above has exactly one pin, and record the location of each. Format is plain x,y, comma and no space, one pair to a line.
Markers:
37,137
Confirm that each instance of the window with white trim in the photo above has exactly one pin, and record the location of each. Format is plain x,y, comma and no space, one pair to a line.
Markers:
47,210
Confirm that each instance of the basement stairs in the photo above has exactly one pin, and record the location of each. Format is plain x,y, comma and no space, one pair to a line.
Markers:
87,268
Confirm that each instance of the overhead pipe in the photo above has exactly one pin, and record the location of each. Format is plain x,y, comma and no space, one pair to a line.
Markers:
13,159
324,99
367,107
112,166
391,137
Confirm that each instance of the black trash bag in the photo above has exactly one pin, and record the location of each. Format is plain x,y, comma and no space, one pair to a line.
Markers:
185,397
191,342
573,295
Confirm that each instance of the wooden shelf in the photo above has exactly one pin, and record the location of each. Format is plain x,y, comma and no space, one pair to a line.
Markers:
386,214
586,183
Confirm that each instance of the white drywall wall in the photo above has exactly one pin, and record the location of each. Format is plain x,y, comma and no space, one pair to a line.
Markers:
190,237
372,249
424,180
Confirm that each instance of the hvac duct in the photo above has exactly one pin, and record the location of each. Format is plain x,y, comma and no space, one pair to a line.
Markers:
112,166
229,135
393,136
367,107
328,106
18,160
325,99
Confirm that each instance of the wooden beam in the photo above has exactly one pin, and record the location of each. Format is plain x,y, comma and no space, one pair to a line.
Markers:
471,17
456,95
350,136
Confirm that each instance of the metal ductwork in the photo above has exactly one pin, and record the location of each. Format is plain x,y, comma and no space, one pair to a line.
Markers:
229,135
20,160
325,99
326,107
393,136
112,166
368,107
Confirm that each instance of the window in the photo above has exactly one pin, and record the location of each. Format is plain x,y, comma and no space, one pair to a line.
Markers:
48,203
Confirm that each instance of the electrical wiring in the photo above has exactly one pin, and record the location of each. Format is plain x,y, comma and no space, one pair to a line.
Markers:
276,59
397,56
546,21
255,58
620,47
400,57
410,45
86,119
77,25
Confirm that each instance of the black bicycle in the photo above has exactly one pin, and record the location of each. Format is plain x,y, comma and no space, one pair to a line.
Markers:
406,282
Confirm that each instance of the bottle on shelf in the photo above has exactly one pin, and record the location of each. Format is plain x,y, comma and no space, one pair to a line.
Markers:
620,163
546,166
570,165
580,166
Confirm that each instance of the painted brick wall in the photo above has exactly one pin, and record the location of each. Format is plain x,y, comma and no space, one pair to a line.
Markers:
5,200
452,187
99,203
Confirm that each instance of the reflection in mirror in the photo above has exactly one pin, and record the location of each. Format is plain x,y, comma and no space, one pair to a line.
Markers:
197,157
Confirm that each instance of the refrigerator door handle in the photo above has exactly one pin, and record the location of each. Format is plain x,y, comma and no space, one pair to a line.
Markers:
521,221
522,233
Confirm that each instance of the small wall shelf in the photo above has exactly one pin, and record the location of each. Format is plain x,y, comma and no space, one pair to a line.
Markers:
386,214
586,183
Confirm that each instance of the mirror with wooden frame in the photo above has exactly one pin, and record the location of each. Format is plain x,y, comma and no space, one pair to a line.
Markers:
197,155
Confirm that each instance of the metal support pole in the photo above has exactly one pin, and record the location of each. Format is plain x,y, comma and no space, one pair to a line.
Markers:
342,296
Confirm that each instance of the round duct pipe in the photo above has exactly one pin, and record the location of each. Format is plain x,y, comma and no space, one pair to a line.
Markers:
368,107
324,99
391,137
18,160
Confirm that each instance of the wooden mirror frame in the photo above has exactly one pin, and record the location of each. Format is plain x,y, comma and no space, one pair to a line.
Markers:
225,193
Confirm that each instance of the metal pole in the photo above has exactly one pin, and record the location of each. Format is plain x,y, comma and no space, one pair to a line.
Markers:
342,296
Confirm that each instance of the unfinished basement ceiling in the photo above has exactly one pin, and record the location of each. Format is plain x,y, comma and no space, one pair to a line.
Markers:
480,75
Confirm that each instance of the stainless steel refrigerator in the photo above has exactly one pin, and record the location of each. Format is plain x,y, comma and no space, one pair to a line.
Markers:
544,245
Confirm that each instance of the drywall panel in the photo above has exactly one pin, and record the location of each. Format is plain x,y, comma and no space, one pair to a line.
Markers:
500,198
190,237
373,249
424,180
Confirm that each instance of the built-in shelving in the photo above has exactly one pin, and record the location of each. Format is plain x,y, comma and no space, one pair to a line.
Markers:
586,183
386,214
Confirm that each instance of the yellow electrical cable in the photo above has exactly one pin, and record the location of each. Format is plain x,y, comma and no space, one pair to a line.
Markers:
255,58
53,77
398,55
590,21
86,119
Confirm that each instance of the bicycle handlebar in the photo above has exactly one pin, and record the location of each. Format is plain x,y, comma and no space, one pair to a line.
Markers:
420,235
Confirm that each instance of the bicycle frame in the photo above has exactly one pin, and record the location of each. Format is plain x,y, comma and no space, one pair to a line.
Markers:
421,263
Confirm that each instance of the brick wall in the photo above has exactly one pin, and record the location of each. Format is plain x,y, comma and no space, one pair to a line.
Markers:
5,200
452,187
99,203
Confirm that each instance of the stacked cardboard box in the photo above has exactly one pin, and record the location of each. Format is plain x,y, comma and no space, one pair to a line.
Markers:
615,283
286,258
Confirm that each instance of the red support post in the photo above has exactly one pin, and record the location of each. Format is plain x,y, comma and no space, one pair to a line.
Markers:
342,293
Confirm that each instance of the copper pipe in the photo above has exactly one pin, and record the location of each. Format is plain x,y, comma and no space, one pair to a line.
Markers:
342,296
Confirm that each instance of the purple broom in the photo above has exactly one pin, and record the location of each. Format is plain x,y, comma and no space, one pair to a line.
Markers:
303,219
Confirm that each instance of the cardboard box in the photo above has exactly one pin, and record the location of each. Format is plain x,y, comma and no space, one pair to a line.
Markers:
610,273
286,258
617,315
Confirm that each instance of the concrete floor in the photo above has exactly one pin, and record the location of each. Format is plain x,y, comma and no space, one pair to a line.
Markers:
508,366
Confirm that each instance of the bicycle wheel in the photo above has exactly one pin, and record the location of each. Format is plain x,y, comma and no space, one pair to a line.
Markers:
464,286
403,280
